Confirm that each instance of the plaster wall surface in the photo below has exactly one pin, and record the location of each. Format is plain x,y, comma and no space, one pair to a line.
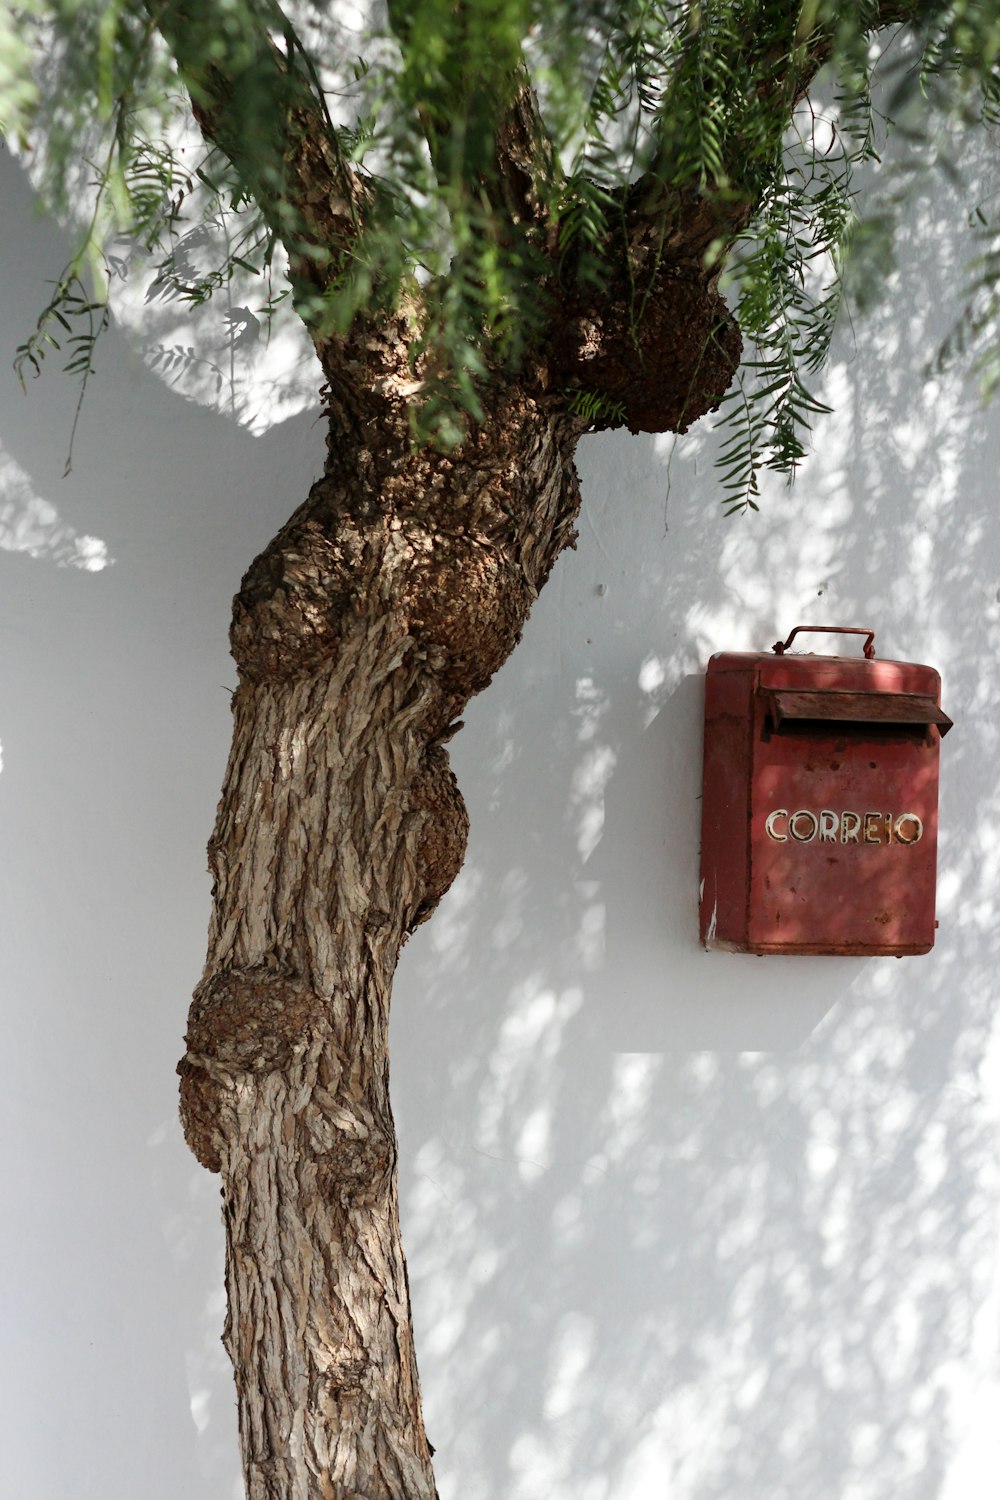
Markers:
699,1225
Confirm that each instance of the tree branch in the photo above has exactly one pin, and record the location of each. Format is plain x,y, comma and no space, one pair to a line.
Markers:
775,55
464,75
263,107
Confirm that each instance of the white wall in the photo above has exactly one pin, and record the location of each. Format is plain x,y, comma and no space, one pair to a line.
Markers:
699,1225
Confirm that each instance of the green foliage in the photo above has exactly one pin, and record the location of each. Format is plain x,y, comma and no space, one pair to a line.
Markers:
70,324
788,288
656,108
595,409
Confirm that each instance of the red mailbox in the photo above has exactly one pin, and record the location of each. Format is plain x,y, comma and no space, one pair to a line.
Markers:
820,794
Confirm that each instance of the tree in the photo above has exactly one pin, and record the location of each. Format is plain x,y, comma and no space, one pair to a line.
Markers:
517,235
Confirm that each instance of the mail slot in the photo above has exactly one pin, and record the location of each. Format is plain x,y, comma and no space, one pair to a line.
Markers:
820,798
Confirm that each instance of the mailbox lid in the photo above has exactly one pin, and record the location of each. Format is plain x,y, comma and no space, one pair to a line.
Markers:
805,671
789,706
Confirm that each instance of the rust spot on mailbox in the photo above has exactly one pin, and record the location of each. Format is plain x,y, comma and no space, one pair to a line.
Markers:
820,795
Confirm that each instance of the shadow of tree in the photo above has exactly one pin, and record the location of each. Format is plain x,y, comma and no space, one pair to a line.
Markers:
713,1225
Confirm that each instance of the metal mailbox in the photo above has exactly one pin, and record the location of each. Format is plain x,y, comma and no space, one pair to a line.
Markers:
820,795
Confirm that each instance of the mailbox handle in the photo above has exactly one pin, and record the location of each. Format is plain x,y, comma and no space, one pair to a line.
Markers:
780,647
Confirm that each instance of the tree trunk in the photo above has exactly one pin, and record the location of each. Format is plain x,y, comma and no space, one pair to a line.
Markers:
389,598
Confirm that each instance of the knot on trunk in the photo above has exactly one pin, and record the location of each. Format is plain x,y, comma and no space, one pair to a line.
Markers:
299,596
444,831
653,356
352,1152
240,1021
466,603
453,546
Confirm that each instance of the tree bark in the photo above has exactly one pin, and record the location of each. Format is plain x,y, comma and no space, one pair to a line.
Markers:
392,595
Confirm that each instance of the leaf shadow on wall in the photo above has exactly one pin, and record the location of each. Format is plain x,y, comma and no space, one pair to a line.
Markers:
714,1225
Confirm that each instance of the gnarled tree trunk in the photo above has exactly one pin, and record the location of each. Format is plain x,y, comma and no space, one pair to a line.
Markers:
389,598
360,633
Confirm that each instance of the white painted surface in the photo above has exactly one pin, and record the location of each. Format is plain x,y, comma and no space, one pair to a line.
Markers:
709,1227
